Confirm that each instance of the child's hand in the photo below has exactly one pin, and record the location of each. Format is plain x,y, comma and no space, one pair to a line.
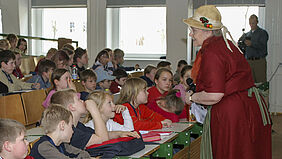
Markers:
91,106
129,134
166,123
120,108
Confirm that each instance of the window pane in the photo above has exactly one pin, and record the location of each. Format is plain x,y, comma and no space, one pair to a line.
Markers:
143,30
1,31
55,23
237,18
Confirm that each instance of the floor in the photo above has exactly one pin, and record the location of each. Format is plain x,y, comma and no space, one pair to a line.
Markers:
277,137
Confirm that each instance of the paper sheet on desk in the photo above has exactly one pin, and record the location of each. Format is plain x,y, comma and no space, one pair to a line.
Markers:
199,112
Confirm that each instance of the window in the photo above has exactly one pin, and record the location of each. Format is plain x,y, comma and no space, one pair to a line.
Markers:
1,31
55,23
141,33
237,18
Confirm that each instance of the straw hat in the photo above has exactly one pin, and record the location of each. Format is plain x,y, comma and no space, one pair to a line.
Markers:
206,17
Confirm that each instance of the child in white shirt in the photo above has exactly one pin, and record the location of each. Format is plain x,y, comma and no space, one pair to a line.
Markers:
108,109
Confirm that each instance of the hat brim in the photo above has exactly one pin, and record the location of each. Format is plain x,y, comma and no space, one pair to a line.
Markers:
196,24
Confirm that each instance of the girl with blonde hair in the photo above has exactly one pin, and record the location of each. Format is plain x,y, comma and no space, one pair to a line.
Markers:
108,110
134,95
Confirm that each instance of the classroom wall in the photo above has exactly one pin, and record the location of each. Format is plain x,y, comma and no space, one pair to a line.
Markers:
273,24
10,16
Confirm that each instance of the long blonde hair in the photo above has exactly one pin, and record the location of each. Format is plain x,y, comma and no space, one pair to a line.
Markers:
99,98
130,90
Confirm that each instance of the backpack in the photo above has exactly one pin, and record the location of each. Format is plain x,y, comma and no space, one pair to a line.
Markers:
124,146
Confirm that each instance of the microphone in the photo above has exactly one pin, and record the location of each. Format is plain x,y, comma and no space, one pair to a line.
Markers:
190,83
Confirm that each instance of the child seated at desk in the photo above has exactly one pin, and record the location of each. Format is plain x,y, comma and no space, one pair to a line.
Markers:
108,110
104,80
7,61
149,75
84,136
121,77
171,106
61,80
12,142
57,123
163,80
88,80
45,70
18,61
134,95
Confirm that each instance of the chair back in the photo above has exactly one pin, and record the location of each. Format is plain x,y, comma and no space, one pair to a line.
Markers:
11,107
79,87
32,102
137,74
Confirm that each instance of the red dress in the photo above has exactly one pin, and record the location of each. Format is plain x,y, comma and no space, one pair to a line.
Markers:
237,130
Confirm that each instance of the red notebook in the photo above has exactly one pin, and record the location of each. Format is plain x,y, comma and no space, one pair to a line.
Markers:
154,135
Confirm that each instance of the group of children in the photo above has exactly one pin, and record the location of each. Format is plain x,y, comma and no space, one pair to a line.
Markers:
74,120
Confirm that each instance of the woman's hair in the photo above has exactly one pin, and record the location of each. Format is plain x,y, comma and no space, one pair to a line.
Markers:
57,74
78,53
185,69
217,32
101,53
99,98
160,71
19,43
173,100
52,116
131,89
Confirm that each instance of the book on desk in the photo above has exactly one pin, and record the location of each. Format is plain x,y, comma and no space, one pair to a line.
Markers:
150,136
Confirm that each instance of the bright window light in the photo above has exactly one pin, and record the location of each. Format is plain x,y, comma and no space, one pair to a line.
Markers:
236,19
142,30
61,23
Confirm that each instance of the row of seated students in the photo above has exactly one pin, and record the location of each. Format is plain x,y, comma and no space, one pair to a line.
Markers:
66,110
133,97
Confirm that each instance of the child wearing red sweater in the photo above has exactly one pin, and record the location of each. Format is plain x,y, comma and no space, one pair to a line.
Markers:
163,80
171,106
134,95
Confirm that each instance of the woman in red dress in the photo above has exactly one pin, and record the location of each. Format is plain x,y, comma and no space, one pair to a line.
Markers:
237,124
